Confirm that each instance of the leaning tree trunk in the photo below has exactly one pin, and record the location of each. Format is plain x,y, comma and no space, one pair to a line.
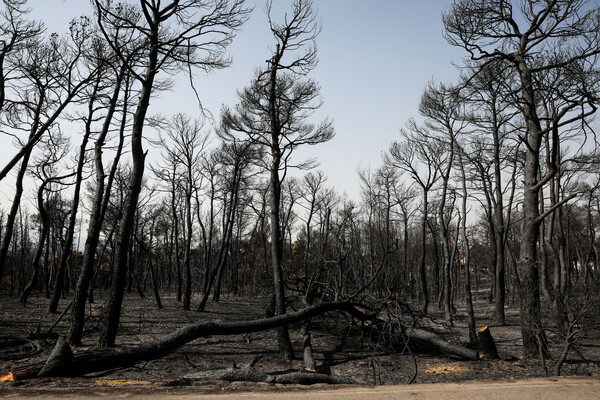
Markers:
12,215
215,275
112,316
99,205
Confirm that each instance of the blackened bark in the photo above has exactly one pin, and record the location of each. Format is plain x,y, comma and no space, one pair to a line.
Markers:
96,216
499,229
14,209
487,344
286,350
466,254
444,233
187,262
112,316
422,269
531,328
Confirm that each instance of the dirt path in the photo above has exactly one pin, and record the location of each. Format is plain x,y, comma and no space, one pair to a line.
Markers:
547,389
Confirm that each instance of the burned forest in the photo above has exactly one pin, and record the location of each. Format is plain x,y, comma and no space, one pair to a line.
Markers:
141,246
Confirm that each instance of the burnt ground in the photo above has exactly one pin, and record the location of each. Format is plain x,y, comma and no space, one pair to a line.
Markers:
341,346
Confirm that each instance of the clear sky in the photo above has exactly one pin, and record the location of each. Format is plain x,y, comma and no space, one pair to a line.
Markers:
375,59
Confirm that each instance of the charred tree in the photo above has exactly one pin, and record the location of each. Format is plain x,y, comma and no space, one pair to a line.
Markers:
171,38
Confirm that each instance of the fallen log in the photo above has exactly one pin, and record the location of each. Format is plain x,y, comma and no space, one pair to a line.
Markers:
251,374
60,363
248,373
441,344
310,378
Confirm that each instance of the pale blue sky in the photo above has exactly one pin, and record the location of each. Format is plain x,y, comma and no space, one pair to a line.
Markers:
375,59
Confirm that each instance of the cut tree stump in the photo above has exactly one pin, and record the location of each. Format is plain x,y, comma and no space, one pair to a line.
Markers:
487,344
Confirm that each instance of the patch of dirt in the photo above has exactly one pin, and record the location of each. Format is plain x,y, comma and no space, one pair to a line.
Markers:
341,346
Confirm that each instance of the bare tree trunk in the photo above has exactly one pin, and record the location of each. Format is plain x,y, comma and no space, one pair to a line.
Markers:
531,329
187,256
467,254
175,214
422,270
112,317
99,204
499,231
286,350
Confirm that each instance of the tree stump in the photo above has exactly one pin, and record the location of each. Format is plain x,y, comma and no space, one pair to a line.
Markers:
487,344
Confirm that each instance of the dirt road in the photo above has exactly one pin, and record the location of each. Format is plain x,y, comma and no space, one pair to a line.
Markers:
547,389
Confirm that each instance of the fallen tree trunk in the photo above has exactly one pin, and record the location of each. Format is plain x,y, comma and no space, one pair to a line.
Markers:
251,374
63,363
248,373
110,358
443,345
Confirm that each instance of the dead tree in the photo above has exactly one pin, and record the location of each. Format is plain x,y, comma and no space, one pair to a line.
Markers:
407,156
273,112
182,144
442,109
54,151
100,197
50,78
92,97
493,107
235,159
170,39
533,38
62,361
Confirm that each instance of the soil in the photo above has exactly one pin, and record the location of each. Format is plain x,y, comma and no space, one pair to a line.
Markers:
342,347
